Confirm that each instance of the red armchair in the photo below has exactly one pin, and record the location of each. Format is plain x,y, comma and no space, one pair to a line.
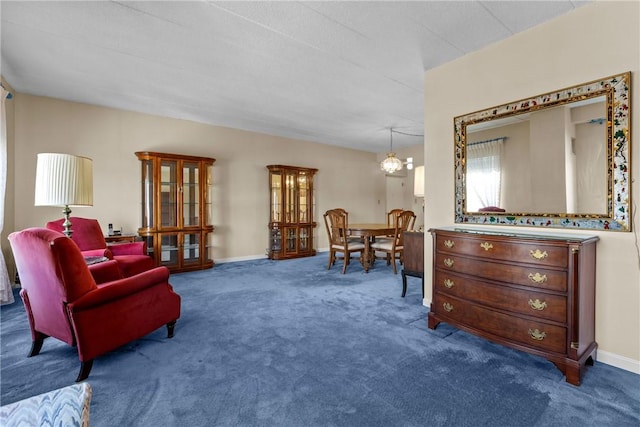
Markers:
63,300
132,257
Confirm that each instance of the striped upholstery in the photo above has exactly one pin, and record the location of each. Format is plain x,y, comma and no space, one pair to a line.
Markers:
67,406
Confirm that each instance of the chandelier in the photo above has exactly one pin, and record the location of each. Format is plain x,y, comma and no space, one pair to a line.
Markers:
391,163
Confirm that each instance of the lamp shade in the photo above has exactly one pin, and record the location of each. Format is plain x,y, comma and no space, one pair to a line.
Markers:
418,182
63,180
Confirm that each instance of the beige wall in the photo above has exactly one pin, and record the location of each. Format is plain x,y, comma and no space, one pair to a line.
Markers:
566,51
406,178
347,178
10,191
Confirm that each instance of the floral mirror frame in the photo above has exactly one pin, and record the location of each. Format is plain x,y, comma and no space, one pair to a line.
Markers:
618,112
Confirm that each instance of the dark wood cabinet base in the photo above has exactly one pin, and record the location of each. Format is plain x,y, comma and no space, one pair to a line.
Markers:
573,370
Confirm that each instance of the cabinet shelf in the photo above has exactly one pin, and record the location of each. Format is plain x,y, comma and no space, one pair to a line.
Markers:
176,210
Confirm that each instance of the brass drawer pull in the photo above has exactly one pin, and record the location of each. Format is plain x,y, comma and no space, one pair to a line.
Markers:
448,262
447,307
486,246
537,278
448,283
538,255
537,304
449,243
537,334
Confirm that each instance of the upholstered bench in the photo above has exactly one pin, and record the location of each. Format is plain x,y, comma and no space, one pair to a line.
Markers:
67,406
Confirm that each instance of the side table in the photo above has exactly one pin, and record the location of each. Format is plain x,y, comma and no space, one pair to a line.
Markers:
121,238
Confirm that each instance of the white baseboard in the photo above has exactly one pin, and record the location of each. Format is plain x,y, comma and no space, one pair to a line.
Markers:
253,257
618,361
242,258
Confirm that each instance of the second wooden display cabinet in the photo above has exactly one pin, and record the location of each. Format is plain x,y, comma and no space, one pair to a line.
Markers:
291,222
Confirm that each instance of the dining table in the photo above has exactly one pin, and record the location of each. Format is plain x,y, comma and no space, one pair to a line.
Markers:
369,232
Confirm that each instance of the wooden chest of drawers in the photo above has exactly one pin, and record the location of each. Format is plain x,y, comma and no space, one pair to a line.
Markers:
531,292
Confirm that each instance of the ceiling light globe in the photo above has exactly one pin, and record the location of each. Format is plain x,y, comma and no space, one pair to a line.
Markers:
391,164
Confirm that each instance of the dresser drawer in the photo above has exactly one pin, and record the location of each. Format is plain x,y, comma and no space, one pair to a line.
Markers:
532,276
531,303
522,251
539,335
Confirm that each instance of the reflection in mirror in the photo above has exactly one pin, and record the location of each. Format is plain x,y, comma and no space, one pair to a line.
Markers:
556,160
566,171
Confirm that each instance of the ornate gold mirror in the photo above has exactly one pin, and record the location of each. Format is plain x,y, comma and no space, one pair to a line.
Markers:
559,159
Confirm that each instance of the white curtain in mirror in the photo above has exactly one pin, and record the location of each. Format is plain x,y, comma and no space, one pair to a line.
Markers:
6,293
484,174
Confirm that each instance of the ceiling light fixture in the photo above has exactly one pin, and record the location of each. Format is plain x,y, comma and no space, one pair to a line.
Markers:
391,164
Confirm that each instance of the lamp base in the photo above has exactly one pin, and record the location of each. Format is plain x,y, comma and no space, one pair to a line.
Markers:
67,222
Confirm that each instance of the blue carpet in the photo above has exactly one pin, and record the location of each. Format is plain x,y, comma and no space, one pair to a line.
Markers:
288,343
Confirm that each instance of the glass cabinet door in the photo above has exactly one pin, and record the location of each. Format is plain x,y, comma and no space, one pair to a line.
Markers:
275,239
169,249
168,194
208,195
305,239
147,194
276,196
290,211
190,248
304,197
190,194
291,240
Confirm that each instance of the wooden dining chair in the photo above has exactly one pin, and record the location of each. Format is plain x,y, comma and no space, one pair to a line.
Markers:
394,247
337,223
354,239
392,215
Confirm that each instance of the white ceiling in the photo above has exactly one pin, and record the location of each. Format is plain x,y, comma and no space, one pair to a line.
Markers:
338,73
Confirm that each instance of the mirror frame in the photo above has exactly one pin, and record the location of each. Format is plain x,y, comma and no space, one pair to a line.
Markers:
617,90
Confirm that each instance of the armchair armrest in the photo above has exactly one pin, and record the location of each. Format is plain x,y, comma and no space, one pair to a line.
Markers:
129,248
120,288
97,253
107,271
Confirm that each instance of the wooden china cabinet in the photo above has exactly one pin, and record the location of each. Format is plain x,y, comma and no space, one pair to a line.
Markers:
176,210
291,222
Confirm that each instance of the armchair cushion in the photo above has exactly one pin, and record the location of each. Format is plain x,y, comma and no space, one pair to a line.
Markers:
107,271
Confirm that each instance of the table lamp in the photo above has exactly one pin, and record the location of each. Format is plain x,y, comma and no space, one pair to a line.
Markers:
64,180
418,182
